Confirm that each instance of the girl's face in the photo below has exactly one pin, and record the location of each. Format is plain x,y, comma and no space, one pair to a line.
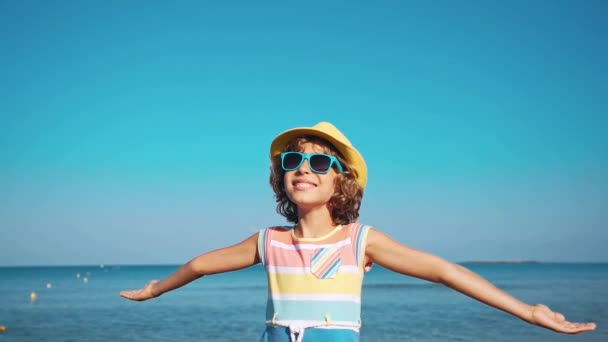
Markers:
305,188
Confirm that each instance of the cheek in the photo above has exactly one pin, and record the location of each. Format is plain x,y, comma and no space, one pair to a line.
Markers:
287,187
286,180
329,186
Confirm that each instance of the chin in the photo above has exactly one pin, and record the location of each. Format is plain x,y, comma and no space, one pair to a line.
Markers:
307,202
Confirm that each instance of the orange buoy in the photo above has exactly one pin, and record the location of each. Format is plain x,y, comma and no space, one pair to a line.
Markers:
2,328
33,296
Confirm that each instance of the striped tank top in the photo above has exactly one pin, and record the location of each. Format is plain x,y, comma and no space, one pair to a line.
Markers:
314,282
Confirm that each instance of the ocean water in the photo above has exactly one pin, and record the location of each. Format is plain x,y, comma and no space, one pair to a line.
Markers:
231,307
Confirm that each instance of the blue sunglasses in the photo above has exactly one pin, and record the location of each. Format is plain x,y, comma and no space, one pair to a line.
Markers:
318,162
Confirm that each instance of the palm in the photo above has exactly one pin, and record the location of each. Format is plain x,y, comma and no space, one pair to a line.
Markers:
141,294
544,317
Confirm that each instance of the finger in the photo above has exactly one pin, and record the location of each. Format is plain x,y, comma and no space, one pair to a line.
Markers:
576,328
125,294
582,327
129,294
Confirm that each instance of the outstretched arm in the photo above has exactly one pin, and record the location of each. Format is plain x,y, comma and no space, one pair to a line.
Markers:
390,254
227,259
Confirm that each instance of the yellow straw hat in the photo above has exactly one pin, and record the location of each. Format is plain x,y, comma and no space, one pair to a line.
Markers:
330,133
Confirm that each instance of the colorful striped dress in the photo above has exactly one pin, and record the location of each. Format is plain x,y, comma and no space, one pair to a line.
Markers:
314,284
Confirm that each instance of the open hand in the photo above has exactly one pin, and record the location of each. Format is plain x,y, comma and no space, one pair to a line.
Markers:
141,294
544,317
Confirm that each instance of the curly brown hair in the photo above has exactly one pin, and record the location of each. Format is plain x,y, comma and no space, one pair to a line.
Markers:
345,203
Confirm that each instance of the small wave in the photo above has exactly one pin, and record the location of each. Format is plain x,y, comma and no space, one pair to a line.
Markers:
401,286
436,286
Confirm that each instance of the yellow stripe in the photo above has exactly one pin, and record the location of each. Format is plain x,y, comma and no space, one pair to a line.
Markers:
343,283
323,260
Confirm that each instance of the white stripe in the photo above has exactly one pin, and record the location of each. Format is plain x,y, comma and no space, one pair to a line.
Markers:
301,246
318,297
315,324
306,270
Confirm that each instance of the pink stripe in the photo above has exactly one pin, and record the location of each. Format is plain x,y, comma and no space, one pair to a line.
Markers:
327,265
301,258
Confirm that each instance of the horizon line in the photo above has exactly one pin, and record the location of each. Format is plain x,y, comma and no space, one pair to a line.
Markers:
493,262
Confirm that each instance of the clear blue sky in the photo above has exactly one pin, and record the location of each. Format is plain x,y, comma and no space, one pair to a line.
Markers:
139,132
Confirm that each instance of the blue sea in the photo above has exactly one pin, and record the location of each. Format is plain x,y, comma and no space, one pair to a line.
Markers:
231,307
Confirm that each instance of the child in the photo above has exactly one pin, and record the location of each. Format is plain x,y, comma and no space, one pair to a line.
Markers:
315,268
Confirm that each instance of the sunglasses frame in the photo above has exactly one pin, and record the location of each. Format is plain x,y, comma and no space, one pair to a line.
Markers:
306,156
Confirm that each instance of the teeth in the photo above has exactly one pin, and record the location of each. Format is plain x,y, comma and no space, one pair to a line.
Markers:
303,186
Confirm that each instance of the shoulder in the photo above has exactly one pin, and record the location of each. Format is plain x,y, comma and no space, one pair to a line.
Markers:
372,236
359,232
276,229
274,232
358,228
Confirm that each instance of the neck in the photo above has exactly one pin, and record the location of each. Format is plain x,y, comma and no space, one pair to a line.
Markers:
314,223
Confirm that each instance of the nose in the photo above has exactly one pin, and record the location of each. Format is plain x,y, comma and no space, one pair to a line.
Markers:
304,168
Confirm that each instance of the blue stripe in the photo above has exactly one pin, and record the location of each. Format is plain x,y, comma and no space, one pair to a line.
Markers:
331,272
313,310
281,334
319,254
360,243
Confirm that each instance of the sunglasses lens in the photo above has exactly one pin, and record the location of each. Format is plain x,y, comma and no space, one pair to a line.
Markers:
291,161
320,163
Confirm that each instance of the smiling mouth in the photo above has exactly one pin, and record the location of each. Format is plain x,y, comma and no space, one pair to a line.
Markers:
303,186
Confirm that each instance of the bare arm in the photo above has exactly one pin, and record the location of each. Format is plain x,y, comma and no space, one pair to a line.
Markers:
390,254
235,257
